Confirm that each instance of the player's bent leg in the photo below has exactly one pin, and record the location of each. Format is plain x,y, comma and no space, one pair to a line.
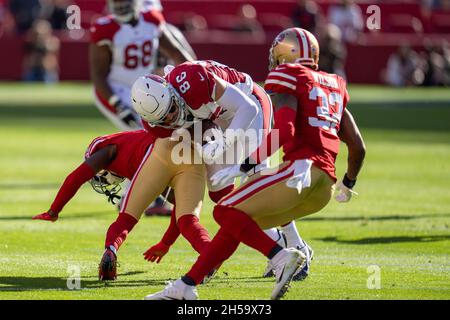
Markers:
252,196
149,181
189,187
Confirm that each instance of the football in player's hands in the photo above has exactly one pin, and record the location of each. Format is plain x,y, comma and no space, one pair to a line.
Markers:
208,130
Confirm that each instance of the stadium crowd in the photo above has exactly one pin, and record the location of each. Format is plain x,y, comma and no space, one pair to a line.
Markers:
337,24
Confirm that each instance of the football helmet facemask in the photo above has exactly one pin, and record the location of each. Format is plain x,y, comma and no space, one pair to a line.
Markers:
123,10
158,103
294,45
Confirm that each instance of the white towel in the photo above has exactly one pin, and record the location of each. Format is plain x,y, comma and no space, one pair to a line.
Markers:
302,175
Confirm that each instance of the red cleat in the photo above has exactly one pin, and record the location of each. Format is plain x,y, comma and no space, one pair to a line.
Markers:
159,207
107,269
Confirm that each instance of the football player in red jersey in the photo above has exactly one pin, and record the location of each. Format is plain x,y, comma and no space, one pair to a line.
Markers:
123,47
108,160
312,118
200,90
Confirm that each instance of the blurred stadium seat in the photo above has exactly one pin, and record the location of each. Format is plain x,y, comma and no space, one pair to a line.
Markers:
400,21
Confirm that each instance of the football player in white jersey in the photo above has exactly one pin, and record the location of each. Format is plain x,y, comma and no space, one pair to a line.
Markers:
123,47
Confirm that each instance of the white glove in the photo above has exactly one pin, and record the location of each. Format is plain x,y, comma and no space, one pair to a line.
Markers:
226,176
213,150
342,193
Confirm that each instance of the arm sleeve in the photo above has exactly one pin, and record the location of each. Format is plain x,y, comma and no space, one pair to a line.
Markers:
172,232
71,185
244,108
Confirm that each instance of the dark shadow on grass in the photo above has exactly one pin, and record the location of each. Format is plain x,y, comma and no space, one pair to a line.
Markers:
388,240
57,283
74,216
73,111
378,218
224,278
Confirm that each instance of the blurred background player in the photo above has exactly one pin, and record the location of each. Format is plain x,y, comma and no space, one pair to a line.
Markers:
123,47
112,158
312,118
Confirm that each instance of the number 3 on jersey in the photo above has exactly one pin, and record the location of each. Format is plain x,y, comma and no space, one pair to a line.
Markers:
185,86
325,119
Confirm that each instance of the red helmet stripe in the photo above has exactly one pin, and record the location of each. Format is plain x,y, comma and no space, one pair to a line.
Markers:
300,42
308,43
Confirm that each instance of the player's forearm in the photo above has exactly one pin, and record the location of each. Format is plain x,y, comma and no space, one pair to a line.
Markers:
71,184
172,232
355,161
102,87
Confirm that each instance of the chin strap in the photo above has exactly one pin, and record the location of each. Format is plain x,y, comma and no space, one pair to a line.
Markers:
112,197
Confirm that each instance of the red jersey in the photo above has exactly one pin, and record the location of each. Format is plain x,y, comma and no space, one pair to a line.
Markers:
322,98
195,83
131,149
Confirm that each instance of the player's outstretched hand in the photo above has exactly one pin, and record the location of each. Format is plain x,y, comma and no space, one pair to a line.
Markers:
156,252
46,216
343,193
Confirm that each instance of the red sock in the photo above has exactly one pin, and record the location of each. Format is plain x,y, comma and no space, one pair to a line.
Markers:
244,229
193,231
217,195
172,231
119,230
222,246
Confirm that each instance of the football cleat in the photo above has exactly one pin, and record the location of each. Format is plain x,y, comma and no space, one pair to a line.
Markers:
269,268
107,269
177,290
302,273
159,207
286,263
211,275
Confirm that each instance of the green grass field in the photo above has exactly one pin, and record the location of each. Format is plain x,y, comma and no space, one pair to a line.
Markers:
400,222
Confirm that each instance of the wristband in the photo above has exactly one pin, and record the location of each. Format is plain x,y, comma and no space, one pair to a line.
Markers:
348,182
113,100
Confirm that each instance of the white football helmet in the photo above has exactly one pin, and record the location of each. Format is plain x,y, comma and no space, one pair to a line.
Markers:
158,103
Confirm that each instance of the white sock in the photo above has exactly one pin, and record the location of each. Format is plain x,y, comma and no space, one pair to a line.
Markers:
275,235
293,238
